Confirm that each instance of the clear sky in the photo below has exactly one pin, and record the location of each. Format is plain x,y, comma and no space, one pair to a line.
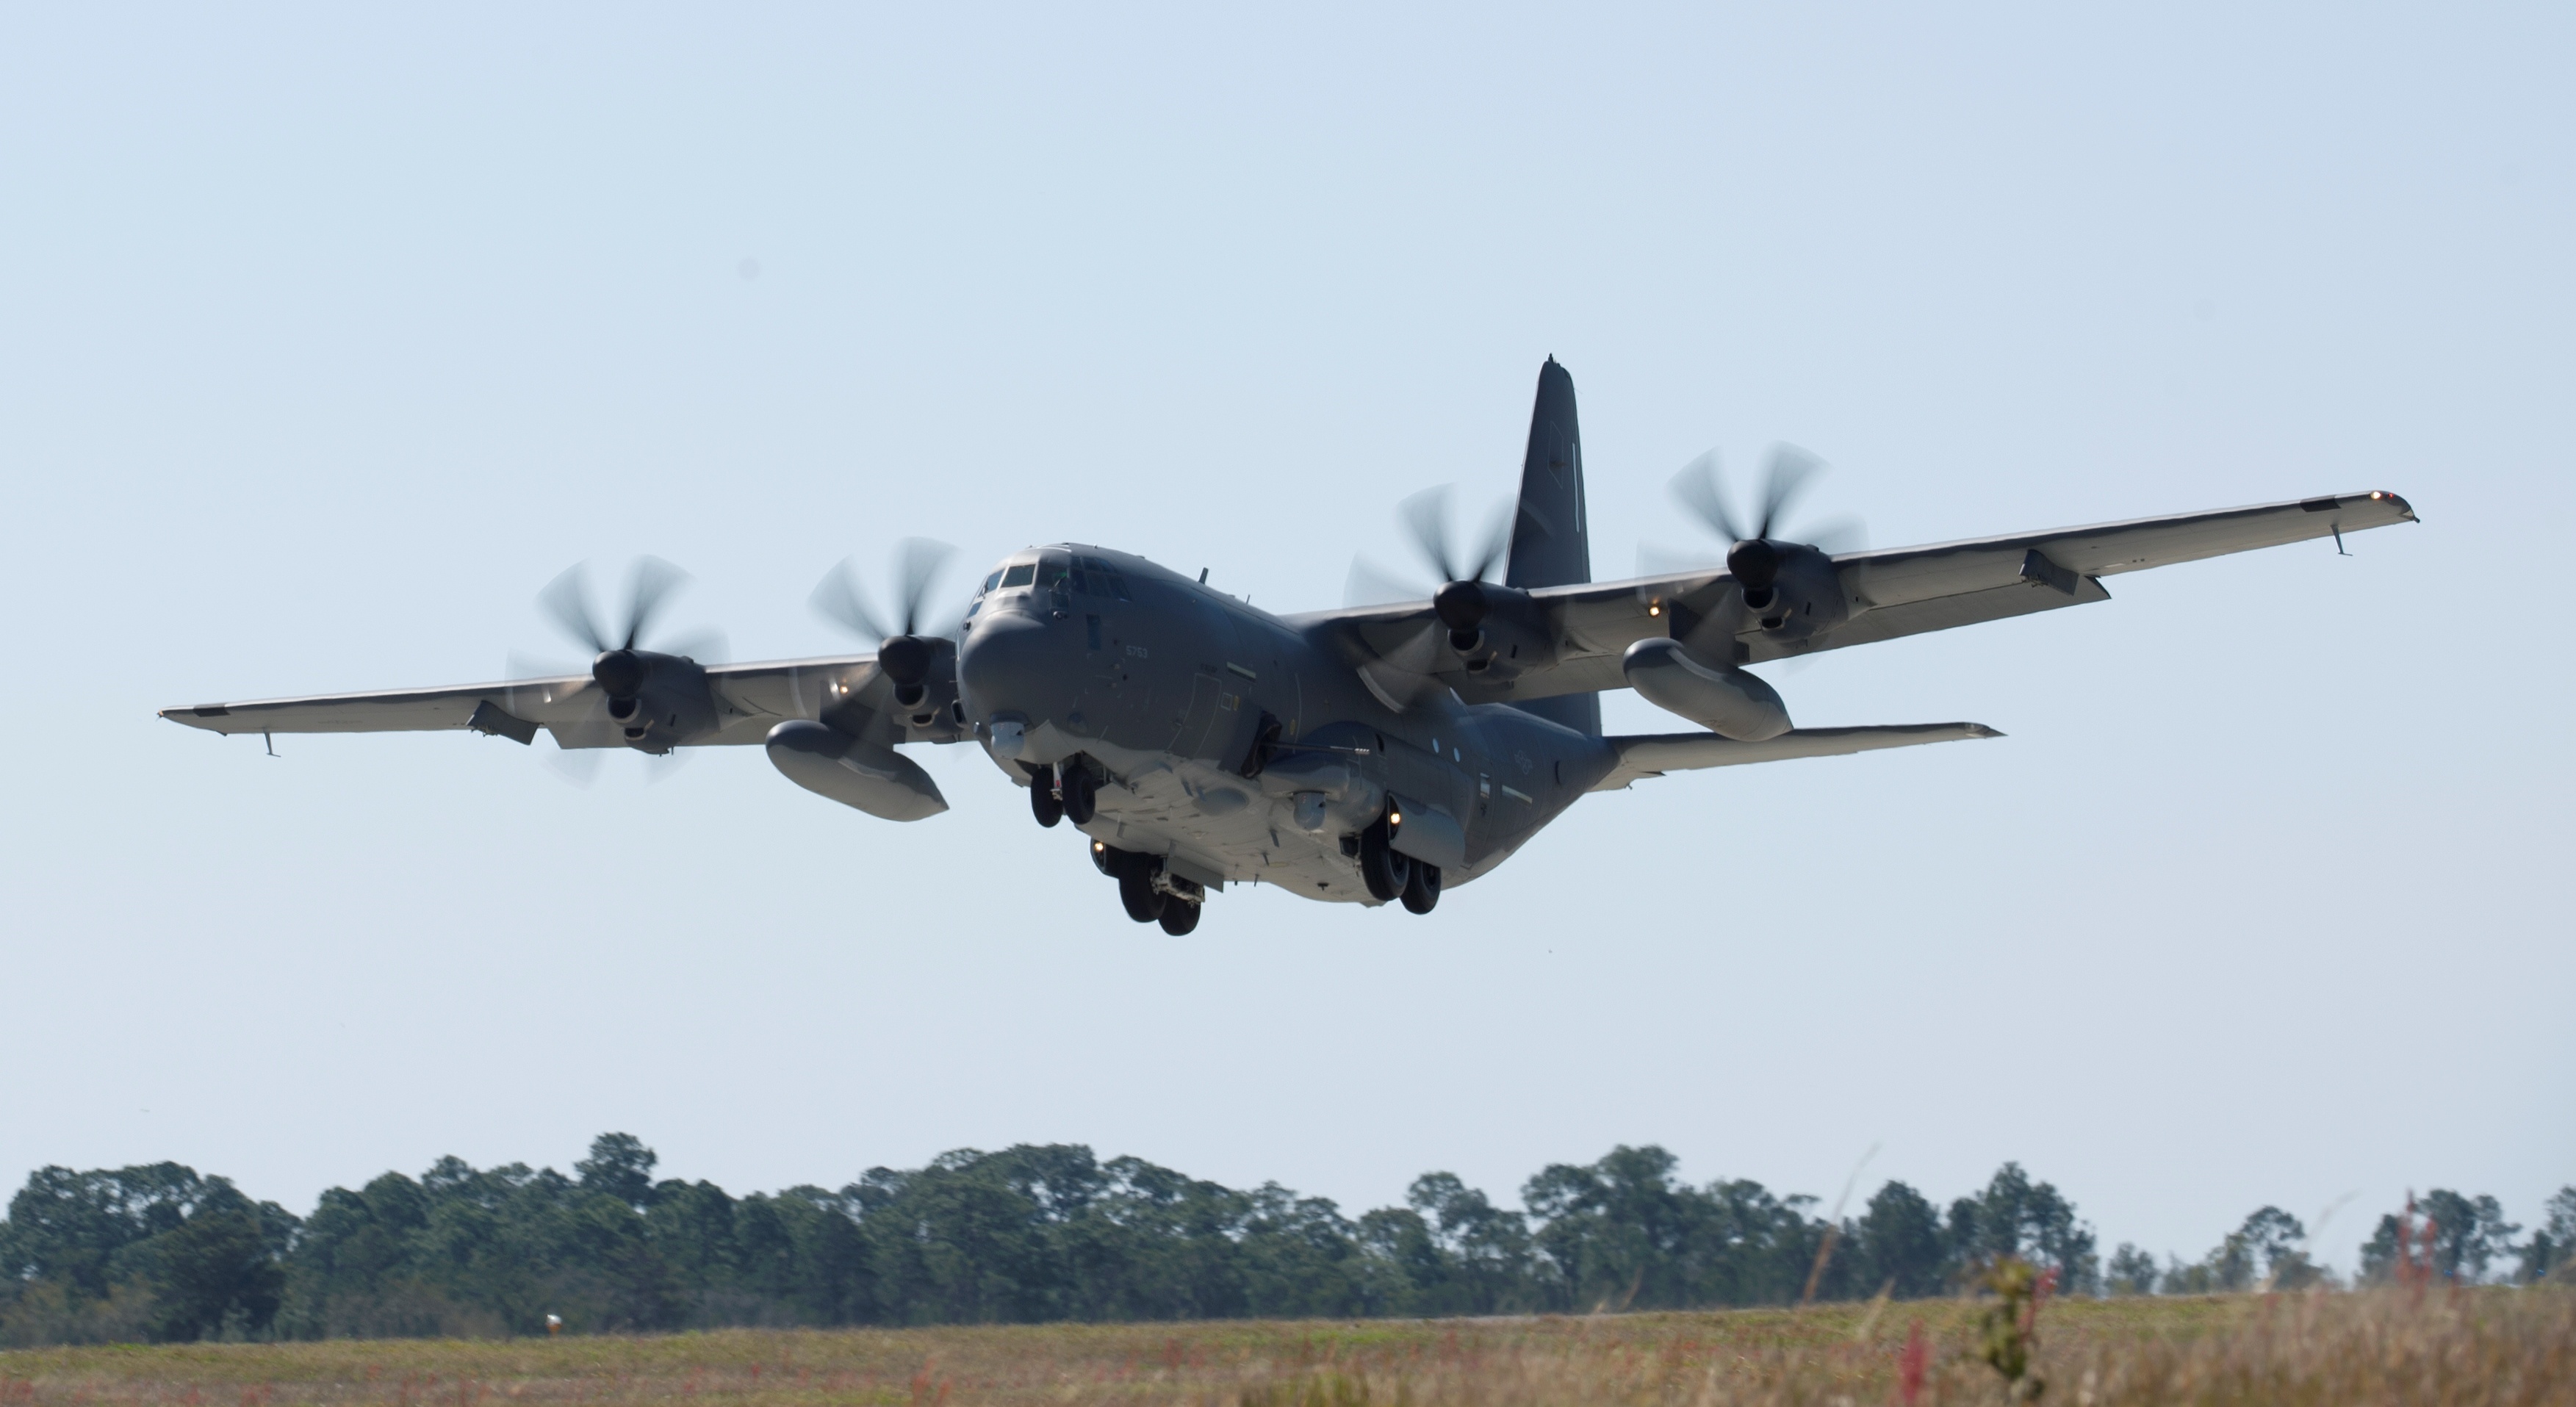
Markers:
329,335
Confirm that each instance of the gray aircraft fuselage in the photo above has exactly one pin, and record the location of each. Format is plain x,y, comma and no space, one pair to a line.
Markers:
1229,741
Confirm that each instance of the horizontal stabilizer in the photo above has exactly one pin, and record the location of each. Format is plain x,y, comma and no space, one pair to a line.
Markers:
1654,754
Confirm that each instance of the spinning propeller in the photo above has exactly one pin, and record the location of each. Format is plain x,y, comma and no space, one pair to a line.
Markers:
1460,600
1757,548
622,655
903,655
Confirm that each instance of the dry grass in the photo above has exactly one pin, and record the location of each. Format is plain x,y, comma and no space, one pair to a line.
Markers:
2470,1346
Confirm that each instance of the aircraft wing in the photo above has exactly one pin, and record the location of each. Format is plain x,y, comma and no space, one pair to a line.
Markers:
1582,631
1654,754
749,699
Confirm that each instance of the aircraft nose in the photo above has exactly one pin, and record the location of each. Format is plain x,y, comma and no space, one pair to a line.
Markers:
1005,665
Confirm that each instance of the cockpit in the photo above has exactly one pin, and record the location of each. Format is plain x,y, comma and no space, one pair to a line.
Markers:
1075,573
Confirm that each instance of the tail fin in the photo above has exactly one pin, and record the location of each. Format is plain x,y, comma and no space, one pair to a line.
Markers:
1550,545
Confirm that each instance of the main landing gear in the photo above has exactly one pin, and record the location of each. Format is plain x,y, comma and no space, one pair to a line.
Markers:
1149,890
1391,875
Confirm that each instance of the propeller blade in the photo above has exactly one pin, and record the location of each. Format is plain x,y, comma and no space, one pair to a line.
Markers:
654,582
1498,541
1784,479
566,600
1369,586
1658,561
1426,519
540,683
1400,674
837,599
578,766
1836,536
1697,488
705,647
917,564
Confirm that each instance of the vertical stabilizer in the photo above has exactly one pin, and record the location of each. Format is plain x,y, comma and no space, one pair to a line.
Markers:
1550,544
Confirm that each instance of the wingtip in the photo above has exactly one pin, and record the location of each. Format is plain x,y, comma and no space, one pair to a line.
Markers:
1980,730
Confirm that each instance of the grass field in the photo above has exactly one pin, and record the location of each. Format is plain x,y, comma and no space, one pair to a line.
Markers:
2461,1346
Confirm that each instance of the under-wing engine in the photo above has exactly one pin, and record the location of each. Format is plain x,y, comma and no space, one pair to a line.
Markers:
1788,590
655,700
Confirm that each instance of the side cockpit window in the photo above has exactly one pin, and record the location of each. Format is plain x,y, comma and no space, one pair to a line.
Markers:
989,583
1097,578
1019,574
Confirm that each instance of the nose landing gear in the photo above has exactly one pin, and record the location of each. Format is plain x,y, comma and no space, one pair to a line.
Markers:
1043,801
1150,892
1080,791
1066,792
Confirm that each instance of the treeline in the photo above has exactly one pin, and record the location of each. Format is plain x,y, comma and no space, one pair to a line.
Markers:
1029,1233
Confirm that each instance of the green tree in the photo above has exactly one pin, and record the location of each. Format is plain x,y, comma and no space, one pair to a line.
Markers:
216,1273
2554,1244
2131,1271
1900,1245
2469,1234
619,1166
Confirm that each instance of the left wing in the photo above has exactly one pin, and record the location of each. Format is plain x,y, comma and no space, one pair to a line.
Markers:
1654,754
1569,639
744,701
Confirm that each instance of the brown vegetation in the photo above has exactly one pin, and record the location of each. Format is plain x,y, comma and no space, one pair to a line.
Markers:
2466,1346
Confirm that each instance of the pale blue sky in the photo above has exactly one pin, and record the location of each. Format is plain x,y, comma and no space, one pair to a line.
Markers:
329,335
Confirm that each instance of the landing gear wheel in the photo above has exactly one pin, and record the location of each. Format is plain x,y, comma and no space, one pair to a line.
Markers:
1081,795
1179,916
1383,870
1136,890
1422,889
1043,802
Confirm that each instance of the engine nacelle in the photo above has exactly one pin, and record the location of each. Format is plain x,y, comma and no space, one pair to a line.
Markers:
1723,699
869,776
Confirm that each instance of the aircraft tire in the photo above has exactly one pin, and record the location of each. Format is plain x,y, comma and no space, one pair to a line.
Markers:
1179,916
1081,795
1043,801
1136,890
1382,869
1422,888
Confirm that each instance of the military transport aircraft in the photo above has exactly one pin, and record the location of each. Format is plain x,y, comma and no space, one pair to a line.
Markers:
1370,754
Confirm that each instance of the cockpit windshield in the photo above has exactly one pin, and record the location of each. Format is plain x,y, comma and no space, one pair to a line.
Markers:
1081,575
